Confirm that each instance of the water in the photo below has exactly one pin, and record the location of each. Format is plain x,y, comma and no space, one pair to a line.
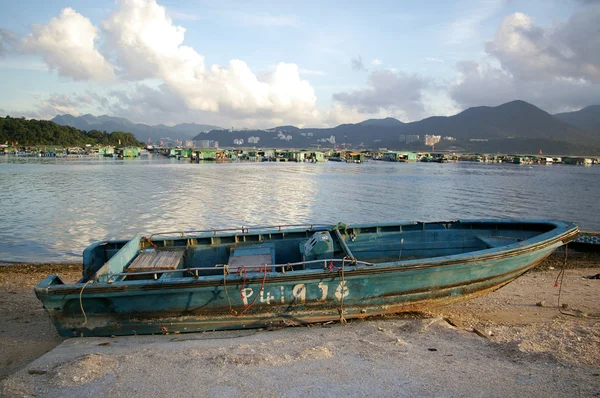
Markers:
53,208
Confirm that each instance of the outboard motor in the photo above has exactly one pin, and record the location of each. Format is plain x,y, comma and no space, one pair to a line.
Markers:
318,247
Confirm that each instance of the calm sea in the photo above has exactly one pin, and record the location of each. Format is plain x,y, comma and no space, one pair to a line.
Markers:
53,208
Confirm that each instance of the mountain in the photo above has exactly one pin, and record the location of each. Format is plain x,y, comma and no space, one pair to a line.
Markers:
143,132
387,122
586,119
516,119
513,127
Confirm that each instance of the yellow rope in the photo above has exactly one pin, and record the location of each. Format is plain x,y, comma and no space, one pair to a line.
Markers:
81,303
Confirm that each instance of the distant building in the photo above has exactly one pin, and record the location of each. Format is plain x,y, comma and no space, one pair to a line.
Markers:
253,140
238,141
282,136
409,138
331,139
207,144
432,139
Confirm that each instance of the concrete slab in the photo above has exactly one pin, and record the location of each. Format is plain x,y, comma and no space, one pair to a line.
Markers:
384,357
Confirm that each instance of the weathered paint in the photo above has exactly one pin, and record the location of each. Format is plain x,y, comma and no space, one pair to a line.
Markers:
587,242
187,303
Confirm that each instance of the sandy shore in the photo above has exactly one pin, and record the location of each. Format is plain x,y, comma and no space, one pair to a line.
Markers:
515,334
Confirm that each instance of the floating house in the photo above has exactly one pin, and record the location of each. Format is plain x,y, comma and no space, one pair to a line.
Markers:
129,152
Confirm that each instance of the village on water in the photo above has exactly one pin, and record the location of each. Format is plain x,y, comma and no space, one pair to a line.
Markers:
209,151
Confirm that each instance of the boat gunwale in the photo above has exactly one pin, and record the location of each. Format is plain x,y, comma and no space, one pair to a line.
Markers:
512,250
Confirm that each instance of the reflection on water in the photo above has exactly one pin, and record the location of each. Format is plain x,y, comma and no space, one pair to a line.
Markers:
53,208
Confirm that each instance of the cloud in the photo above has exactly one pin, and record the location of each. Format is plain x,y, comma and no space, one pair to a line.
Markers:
555,68
570,49
66,44
8,41
145,104
357,64
376,62
436,60
54,104
482,84
472,16
149,45
396,92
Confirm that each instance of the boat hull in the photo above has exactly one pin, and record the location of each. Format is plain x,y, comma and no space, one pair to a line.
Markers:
292,298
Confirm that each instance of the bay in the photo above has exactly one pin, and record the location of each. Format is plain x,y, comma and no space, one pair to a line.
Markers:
53,208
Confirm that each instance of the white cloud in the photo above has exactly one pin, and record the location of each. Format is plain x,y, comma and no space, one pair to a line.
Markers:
149,45
482,84
66,44
570,49
376,62
432,59
556,68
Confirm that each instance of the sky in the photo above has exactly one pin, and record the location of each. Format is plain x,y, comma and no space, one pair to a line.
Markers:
310,63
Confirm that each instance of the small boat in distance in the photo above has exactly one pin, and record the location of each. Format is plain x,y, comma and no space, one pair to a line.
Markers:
290,275
586,242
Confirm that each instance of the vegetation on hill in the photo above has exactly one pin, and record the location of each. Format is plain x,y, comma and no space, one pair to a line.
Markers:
22,132
587,119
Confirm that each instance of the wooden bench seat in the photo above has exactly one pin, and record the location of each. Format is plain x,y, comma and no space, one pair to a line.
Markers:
156,260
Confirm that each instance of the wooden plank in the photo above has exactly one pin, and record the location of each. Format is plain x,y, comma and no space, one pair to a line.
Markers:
156,260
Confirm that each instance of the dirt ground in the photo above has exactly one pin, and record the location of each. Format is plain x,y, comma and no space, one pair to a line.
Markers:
26,332
524,315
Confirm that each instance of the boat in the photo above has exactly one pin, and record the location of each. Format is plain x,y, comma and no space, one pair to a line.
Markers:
220,279
586,242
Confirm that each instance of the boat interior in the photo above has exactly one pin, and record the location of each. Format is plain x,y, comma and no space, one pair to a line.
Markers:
286,249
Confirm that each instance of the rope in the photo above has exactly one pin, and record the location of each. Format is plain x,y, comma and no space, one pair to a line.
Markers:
342,292
257,294
225,272
81,303
151,243
332,267
242,272
561,275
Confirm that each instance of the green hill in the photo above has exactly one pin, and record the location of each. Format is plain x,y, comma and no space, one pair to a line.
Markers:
19,131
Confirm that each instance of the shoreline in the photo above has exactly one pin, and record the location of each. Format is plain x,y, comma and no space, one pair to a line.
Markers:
523,313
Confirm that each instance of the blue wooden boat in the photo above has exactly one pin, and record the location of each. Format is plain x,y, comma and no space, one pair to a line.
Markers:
290,275
586,242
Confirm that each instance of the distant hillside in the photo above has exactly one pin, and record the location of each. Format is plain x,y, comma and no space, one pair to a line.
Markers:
586,119
516,126
387,122
516,119
22,132
143,132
